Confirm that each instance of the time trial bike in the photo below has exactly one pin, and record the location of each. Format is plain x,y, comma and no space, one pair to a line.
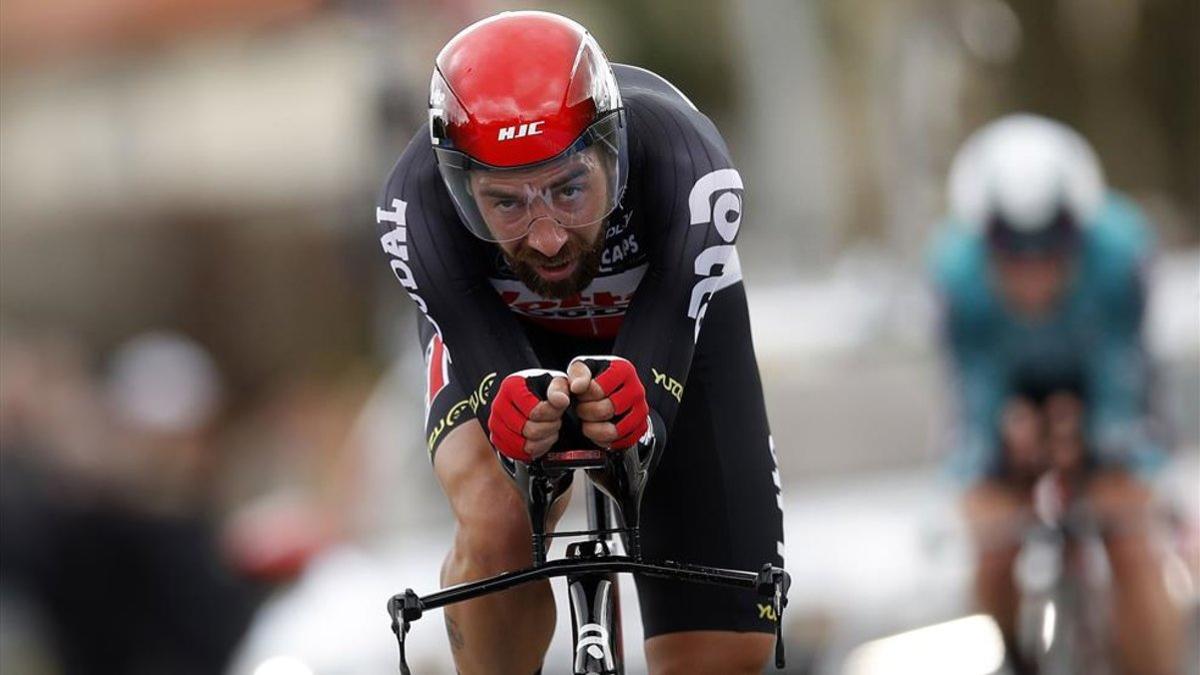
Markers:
614,486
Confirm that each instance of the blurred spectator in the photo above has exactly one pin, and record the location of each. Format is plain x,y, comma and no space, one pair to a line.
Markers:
293,476
105,526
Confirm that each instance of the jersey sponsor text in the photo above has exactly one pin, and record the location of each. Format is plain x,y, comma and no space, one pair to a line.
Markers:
395,244
724,212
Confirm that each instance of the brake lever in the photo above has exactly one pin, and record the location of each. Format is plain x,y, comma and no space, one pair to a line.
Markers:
775,582
778,603
404,609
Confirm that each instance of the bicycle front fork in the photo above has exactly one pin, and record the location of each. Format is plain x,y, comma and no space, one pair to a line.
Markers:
595,616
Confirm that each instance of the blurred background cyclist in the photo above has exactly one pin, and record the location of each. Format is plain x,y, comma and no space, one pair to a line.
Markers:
1039,267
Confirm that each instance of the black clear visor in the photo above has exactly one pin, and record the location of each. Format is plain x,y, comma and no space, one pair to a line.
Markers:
1058,236
579,187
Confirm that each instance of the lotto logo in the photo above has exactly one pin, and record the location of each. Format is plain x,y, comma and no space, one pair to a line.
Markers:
521,131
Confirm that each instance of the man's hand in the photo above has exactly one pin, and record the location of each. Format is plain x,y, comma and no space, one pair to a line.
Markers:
1022,433
523,425
1064,431
611,400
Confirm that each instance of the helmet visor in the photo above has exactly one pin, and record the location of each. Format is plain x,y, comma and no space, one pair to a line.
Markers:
578,188
1058,235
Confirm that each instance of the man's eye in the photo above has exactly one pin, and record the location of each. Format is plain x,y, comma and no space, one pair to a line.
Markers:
505,204
570,191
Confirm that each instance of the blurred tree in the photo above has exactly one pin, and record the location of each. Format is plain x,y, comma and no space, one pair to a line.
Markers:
688,42
1125,73
1168,65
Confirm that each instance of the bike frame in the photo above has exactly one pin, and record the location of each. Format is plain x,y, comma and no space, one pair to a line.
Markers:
595,602
615,479
1061,623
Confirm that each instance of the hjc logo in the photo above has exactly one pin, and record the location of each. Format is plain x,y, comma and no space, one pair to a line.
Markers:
521,131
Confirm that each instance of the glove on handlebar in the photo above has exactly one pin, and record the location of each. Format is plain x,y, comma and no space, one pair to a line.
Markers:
516,398
619,381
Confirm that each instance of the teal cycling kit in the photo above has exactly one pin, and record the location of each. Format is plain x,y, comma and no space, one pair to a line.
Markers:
1090,343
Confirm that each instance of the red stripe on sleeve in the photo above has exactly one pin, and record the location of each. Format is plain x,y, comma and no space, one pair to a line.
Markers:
437,368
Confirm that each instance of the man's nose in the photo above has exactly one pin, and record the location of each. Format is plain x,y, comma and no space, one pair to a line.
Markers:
546,236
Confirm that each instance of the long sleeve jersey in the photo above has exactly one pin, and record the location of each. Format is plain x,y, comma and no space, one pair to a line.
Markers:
668,247
1092,340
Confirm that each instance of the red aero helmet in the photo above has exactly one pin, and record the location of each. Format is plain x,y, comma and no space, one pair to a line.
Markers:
517,102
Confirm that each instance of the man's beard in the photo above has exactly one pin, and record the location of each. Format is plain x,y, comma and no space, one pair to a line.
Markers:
525,260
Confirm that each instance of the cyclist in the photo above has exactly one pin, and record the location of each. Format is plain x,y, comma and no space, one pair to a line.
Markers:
555,207
1040,269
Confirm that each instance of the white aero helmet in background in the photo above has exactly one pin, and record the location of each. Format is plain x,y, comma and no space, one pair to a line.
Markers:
1028,183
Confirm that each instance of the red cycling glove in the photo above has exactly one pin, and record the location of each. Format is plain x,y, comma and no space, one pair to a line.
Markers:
619,381
519,393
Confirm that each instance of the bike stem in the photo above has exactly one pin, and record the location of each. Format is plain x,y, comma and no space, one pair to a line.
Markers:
541,488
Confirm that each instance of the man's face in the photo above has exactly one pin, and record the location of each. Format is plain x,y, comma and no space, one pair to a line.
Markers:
569,269
1031,284
549,220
